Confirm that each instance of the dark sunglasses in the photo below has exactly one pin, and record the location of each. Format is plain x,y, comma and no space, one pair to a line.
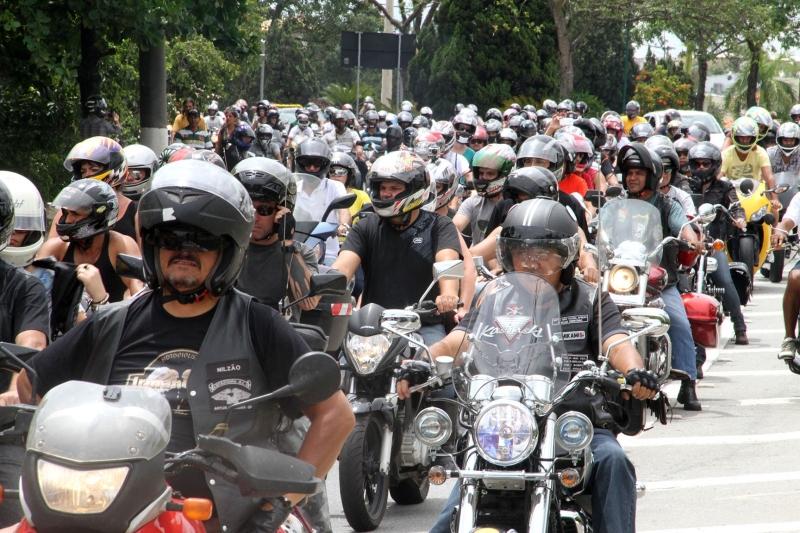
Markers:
338,171
266,210
184,239
478,142
697,163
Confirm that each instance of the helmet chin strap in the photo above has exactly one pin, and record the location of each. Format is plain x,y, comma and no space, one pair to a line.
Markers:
185,298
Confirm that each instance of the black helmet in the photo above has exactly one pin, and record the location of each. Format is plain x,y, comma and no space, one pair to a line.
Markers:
705,151
404,167
421,121
91,196
6,215
661,145
409,135
394,138
538,225
637,155
683,144
343,160
533,182
515,122
529,108
565,105
267,179
593,130
197,197
543,147
262,105
314,151
528,129
95,105
670,115
641,132
404,119
582,107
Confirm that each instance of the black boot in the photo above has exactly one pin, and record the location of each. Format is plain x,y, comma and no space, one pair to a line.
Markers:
688,396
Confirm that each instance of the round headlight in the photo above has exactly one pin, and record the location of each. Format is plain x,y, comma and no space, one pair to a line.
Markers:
623,279
433,427
574,431
505,432
365,353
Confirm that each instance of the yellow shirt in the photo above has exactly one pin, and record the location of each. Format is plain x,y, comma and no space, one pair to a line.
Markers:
627,123
181,121
362,198
735,169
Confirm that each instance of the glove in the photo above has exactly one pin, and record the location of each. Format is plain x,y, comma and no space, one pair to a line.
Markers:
415,372
264,521
644,377
606,167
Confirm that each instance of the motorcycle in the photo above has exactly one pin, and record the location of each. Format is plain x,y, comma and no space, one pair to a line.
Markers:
107,470
525,459
752,245
381,456
786,184
629,246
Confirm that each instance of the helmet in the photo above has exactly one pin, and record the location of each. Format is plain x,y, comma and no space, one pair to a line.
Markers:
566,105
744,127
382,115
761,117
697,131
674,128
788,138
95,105
794,112
582,107
102,150
213,106
493,126
534,182
480,135
267,179
409,135
313,151
404,167
444,178
705,151
448,132
543,147
593,130
662,146
405,105
528,129
499,157
640,132
515,122
187,152
510,112
538,225
394,138
610,145
575,144
167,152
613,125
507,136
21,208
771,137
493,113
242,131
632,108
421,121
142,164
637,155
369,100
372,117
404,119
262,105
87,196
273,113
670,115
264,132
429,145
197,196
549,106
343,160
426,112
473,107
683,144
464,125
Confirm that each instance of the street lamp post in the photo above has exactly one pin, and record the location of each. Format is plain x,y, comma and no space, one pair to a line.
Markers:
264,29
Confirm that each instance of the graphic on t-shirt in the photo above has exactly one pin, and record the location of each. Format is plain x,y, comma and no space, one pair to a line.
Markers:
744,170
169,373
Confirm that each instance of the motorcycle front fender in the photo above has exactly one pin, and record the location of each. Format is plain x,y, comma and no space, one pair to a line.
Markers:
363,406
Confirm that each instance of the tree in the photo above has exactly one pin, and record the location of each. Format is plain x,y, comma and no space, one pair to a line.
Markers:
658,89
774,93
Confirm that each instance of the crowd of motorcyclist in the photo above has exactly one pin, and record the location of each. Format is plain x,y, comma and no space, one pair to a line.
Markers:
213,218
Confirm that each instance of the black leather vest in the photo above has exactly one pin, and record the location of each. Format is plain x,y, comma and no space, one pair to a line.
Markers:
577,317
669,256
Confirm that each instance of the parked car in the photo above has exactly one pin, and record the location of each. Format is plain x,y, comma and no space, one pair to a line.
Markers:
687,117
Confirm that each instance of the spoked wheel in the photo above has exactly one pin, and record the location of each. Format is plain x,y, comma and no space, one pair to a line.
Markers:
363,488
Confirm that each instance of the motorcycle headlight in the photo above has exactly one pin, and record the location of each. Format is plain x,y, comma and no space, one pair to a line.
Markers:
365,353
433,427
758,215
623,279
79,491
505,432
574,431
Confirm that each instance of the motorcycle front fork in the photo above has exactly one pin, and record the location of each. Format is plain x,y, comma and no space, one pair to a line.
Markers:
388,434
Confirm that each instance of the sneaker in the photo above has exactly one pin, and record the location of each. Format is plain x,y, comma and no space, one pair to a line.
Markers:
741,338
788,348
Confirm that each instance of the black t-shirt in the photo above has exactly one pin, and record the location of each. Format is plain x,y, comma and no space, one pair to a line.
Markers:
567,200
266,269
398,265
126,224
157,350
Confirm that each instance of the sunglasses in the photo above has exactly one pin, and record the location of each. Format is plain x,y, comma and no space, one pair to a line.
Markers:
701,164
180,239
266,210
477,143
338,171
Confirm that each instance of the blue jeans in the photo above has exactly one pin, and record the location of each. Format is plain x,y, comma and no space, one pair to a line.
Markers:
612,484
730,300
684,356
432,333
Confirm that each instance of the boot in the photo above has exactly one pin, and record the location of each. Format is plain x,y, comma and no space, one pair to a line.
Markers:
688,396
741,338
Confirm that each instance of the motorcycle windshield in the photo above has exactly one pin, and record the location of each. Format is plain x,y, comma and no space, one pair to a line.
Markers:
788,179
311,198
75,422
517,330
629,230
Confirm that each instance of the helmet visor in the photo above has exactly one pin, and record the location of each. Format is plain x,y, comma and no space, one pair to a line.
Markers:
540,256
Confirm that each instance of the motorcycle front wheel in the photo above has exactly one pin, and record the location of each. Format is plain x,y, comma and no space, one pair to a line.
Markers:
363,488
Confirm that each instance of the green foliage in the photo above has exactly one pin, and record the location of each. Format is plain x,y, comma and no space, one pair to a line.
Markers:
774,94
197,69
484,53
658,89
339,94
596,105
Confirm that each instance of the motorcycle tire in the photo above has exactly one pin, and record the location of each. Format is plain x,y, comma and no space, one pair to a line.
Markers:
747,253
410,491
776,268
363,488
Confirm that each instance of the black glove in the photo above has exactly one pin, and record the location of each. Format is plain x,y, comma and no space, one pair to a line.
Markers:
606,167
269,521
415,372
644,377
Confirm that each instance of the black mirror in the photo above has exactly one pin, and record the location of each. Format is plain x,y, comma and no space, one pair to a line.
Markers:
129,266
595,197
330,283
614,192
746,187
342,202
366,321
314,377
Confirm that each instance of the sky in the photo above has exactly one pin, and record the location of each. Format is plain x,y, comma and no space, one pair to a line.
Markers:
674,46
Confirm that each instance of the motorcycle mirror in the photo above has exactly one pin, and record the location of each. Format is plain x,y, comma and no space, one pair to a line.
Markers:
706,213
129,266
451,269
366,321
342,202
328,284
614,192
746,187
769,218
780,189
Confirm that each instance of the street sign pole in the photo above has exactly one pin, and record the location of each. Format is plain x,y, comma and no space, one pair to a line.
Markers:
358,76
399,76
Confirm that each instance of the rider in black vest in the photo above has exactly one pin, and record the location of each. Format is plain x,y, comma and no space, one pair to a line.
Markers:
202,343
641,172
531,228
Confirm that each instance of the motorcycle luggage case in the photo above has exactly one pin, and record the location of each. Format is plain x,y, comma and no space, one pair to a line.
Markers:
331,314
703,313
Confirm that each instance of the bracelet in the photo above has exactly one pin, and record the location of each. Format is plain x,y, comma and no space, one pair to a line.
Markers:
103,301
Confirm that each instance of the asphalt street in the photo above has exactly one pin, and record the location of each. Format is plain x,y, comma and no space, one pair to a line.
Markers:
729,468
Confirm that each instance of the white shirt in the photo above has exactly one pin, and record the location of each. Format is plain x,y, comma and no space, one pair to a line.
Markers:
459,162
311,205
683,198
793,211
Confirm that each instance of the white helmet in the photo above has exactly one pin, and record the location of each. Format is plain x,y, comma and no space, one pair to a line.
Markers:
142,164
29,215
788,130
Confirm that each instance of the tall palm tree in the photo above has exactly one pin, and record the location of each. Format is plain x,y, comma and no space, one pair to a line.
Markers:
774,94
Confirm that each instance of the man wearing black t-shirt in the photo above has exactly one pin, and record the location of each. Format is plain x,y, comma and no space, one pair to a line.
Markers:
203,344
398,245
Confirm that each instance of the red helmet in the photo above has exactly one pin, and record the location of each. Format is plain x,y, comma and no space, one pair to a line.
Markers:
613,122
481,134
